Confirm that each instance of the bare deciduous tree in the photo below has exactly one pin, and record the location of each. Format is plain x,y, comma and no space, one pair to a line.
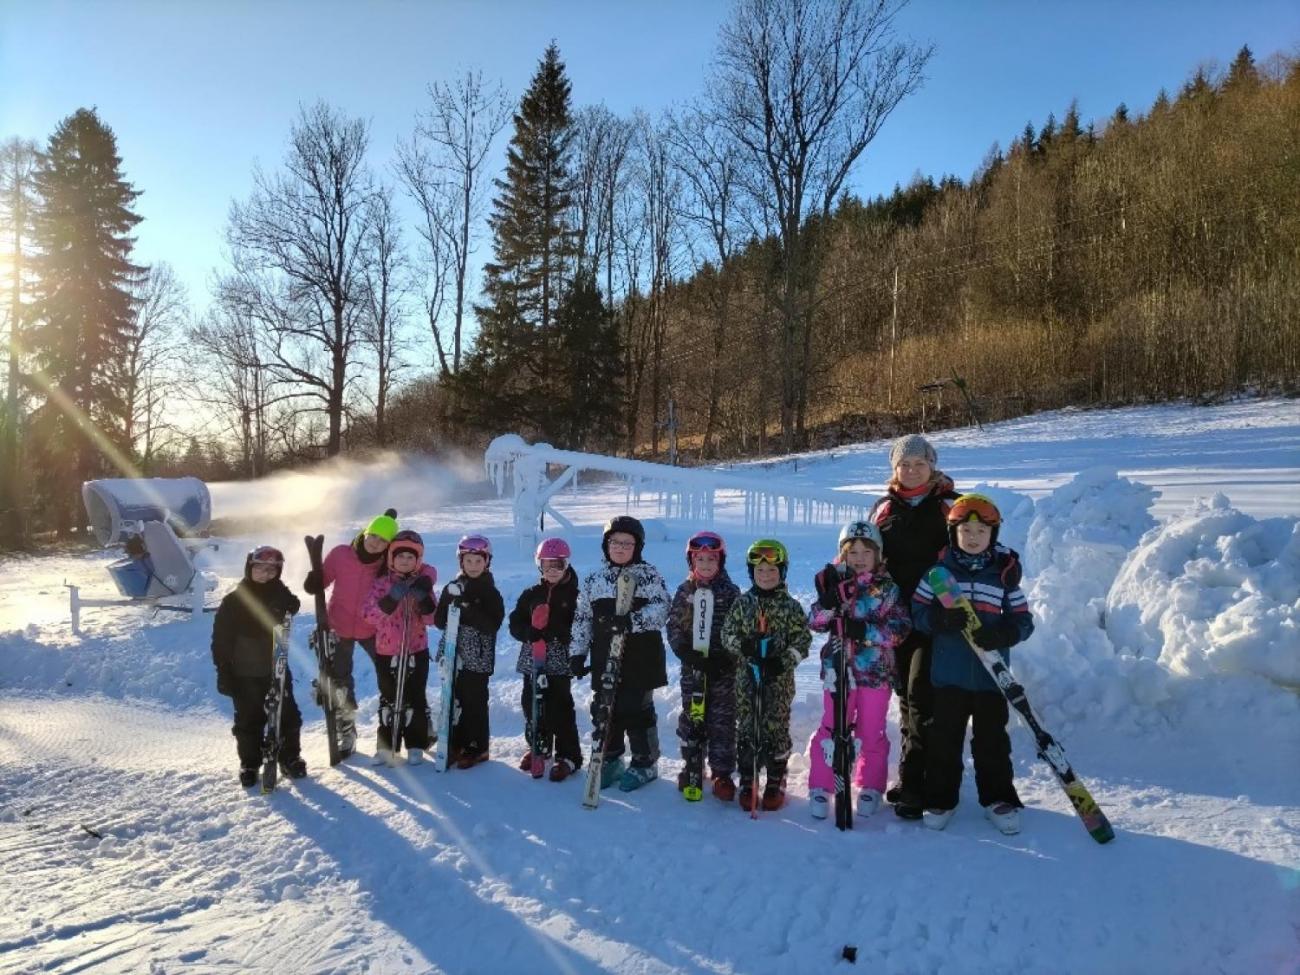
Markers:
149,375
804,86
385,291
442,169
299,246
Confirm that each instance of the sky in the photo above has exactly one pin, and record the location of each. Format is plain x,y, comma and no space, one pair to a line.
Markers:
197,93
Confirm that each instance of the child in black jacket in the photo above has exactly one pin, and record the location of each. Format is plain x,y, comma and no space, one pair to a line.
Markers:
481,612
242,650
544,613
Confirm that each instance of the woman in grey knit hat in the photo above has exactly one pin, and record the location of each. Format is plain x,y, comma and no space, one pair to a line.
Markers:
912,517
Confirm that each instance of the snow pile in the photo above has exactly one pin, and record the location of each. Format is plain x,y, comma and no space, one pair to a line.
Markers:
1213,592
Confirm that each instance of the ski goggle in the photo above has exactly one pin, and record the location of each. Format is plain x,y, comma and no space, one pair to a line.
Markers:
705,542
476,544
266,555
771,554
975,506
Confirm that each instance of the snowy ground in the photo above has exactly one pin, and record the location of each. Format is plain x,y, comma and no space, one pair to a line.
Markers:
1167,660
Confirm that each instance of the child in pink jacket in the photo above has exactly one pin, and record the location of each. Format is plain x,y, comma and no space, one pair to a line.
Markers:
400,607
856,598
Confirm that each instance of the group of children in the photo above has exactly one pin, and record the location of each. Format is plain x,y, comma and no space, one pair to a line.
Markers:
382,596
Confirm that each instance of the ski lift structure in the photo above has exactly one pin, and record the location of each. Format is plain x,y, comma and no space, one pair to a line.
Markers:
160,524
681,493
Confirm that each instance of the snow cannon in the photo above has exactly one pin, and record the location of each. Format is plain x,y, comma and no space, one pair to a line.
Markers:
118,506
156,564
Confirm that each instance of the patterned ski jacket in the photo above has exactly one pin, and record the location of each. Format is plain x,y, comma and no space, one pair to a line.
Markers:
481,611
241,630
786,625
388,623
562,598
680,621
873,598
643,651
914,534
994,591
352,578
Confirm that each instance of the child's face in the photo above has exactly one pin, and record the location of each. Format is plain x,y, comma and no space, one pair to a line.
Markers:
263,571
767,575
705,564
373,544
405,562
912,472
973,536
552,570
473,564
621,547
860,556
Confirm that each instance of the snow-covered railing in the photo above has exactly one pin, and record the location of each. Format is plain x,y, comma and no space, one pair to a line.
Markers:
681,493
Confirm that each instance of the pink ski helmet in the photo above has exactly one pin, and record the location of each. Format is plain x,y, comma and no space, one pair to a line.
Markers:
552,548
478,544
706,541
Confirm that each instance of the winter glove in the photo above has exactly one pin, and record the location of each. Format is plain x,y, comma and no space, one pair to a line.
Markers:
621,623
426,605
855,629
225,682
422,584
947,619
398,590
313,583
578,666
997,636
541,616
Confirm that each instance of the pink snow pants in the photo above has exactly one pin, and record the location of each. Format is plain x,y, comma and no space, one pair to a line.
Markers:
867,709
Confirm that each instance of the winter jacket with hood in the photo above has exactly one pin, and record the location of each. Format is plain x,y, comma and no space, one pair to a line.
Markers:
242,628
873,598
914,534
643,650
481,612
562,598
352,571
680,619
993,588
388,617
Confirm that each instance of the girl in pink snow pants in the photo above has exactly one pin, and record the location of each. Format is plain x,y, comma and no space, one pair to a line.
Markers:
856,597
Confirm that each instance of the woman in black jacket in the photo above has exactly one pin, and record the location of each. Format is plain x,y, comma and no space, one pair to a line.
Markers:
912,517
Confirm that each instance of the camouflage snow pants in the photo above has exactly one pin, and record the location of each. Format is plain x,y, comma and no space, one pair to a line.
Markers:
773,746
718,733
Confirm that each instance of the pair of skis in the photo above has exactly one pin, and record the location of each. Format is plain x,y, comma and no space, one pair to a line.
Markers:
331,695
448,668
624,589
273,739
948,591
701,632
843,743
756,672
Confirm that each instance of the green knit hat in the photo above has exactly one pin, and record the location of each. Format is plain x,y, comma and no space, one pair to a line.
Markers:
385,525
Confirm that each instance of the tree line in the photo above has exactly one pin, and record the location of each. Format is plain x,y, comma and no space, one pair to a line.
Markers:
698,285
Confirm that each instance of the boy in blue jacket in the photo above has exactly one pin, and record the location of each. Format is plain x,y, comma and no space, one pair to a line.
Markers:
988,574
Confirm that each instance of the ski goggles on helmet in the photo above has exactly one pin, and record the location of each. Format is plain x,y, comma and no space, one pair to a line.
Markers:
975,506
773,553
705,542
266,555
476,544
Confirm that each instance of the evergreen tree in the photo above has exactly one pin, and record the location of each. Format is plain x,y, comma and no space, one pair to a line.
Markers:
1243,76
83,308
515,359
591,368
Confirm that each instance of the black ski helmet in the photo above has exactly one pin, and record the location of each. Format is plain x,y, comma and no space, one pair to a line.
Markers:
629,526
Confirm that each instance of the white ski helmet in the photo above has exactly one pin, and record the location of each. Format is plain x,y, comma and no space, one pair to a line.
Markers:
862,531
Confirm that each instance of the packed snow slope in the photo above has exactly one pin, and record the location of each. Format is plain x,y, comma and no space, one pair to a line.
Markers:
1162,552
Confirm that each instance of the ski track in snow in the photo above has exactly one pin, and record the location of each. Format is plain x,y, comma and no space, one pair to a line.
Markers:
356,869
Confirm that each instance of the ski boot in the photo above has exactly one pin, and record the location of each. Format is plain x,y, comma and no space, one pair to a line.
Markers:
637,776
294,768
908,806
937,818
611,772
819,803
248,777
868,802
724,790
1004,816
562,769
415,756
774,795
526,763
